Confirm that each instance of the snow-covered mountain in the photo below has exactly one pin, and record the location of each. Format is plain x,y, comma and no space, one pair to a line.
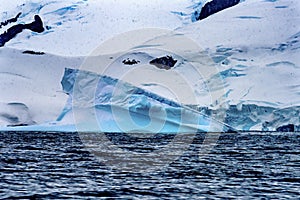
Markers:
242,64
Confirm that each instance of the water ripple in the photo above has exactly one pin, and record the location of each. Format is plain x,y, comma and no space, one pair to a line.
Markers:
57,165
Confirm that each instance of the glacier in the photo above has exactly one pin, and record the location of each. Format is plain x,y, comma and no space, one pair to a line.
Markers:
249,56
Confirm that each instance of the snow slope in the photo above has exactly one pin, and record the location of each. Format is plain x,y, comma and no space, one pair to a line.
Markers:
256,45
34,82
89,22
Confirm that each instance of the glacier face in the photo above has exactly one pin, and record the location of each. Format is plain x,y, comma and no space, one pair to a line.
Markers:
251,117
254,47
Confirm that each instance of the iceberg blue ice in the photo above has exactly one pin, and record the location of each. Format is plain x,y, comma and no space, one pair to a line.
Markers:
103,104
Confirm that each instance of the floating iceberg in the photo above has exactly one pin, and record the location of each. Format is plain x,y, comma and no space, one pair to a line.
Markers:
103,104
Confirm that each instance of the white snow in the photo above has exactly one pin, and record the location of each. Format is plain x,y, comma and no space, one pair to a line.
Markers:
89,22
34,81
252,30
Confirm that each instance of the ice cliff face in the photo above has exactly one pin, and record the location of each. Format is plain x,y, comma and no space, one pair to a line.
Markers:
252,45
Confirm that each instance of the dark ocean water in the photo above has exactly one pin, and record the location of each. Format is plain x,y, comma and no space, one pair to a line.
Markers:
58,166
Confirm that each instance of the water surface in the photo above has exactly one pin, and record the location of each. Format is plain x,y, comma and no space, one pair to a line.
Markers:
36,165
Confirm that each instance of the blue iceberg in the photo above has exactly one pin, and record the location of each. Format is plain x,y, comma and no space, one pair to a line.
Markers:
104,104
